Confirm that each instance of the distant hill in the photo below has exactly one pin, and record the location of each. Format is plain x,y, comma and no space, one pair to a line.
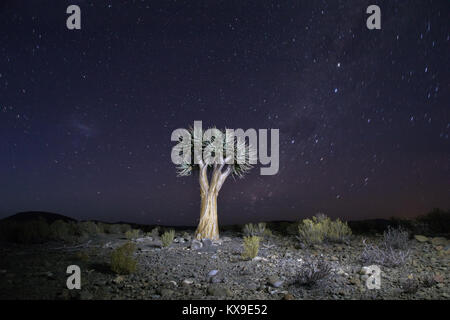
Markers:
34,215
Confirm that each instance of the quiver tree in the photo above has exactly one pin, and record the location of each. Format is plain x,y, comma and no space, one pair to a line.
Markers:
214,155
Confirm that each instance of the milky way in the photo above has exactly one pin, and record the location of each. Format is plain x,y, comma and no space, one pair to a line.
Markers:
86,115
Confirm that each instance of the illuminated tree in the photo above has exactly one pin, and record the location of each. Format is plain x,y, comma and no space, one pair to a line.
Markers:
214,155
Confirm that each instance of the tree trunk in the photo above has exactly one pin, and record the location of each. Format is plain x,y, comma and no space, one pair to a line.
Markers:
208,227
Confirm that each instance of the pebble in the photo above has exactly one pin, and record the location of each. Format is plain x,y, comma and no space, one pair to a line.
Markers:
188,281
212,273
275,282
196,244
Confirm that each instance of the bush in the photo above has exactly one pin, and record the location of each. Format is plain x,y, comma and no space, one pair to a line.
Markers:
154,233
132,234
395,238
337,231
112,228
383,255
167,238
88,228
320,228
124,227
259,230
311,231
122,260
251,247
313,272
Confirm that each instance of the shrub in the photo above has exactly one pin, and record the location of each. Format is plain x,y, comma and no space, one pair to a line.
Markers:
320,228
112,228
88,228
251,247
382,255
395,238
122,260
124,228
167,238
337,231
313,272
259,230
154,233
428,281
186,235
132,234
311,231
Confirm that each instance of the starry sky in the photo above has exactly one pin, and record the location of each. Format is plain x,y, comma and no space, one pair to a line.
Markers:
86,115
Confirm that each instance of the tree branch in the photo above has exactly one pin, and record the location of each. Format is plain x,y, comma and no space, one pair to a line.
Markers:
223,177
203,178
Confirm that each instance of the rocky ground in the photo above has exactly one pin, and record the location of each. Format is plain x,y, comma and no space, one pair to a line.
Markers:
217,271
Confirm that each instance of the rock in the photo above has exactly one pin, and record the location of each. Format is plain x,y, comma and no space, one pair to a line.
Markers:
439,241
150,239
212,273
260,259
420,238
334,258
218,290
252,286
118,279
274,281
164,292
188,282
206,243
341,272
196,244
364,270
288,296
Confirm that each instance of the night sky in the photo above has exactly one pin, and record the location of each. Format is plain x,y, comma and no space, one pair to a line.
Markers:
86,115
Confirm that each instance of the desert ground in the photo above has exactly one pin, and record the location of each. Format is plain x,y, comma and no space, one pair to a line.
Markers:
187,269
